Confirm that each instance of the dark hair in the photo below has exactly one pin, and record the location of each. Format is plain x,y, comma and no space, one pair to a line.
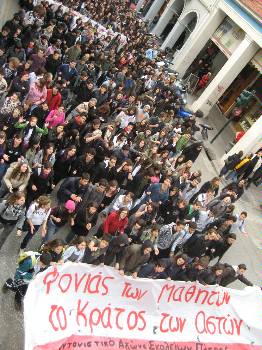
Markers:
231,235
13,197
160,263
78,240
91,151
85,176
53,244
45,259
244,212
103,182
242,266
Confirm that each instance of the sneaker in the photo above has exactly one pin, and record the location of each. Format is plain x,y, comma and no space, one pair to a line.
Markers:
5,289
18,305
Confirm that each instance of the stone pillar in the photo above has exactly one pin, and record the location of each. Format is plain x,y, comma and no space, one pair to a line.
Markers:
155,7
163,20
195,43
7,10
250,142
173,36
237,61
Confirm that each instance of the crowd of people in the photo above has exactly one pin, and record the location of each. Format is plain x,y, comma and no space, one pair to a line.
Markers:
87,110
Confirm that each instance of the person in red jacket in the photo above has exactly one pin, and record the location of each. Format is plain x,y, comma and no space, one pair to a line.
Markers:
54,98
116,222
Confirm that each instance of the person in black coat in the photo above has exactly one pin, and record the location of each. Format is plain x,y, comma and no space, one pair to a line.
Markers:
234,189
213,184
105,170
233,273
84,164
197,245
231,162
40,182
212,275
176,267
85,219
73,188
153,270
220,247
63,163
192,152
194,272
115,250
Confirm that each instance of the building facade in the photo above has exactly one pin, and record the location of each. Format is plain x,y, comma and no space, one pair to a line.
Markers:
226,33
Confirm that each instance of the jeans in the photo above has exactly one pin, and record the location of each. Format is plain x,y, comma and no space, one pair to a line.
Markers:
3,189
28,236
5,232
232,176
51,230
223,171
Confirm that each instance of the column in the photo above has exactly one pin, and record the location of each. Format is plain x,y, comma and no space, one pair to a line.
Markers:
195,43
250,142
173,35
139,4
163,20
237,61
8,9
155,7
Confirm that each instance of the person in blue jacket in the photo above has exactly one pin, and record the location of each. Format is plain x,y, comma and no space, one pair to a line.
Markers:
155,270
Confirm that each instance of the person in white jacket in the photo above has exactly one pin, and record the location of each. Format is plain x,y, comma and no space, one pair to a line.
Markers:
75,252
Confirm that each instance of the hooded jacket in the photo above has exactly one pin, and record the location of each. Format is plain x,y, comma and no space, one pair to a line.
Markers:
134,257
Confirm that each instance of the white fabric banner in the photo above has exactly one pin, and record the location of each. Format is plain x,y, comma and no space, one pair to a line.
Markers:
79,306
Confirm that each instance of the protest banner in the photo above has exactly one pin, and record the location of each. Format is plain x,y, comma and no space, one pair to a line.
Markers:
79,306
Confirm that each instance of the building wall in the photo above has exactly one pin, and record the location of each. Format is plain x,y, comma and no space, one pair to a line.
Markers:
7,9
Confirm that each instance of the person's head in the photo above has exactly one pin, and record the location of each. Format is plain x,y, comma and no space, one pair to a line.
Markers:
80,243
17,198
96,124
17,139
15,96
70,206
147,247
211,234
122,213
227,200
215,182
129,197
243,215
160,266
230,219
56,246
139,224
44,202
181,203
196,205
218,269
166,183
102,185
231,238
33,121
241,269
23,167
47,168
59,129
2,137
179,226
45,260
104,242
192,226
181,259
49,149
84,180
72,64
25,76
92,208
112,161
71,151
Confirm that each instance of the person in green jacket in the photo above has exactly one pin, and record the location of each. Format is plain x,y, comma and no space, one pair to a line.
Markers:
30,129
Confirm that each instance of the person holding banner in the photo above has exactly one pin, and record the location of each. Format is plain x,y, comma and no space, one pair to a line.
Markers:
76,251
134,256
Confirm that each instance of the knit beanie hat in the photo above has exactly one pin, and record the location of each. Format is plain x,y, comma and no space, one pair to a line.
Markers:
70,205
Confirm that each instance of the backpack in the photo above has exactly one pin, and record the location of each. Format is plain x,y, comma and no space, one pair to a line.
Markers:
26,255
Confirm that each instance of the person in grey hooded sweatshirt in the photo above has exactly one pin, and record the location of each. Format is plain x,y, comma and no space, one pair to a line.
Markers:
12,213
